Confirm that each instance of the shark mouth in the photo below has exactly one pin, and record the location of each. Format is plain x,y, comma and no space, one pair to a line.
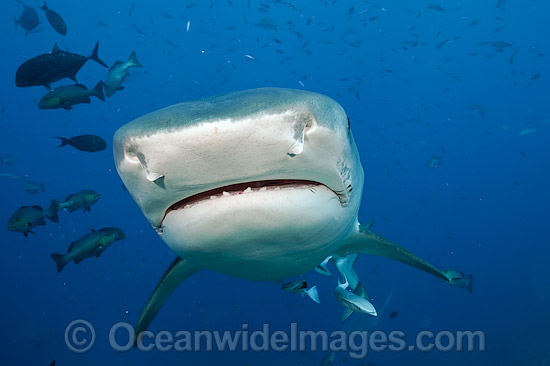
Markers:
246,188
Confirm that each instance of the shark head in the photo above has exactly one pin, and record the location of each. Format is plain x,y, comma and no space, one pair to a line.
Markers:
261,184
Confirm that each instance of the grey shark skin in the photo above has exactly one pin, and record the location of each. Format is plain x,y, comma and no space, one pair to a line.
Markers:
189,166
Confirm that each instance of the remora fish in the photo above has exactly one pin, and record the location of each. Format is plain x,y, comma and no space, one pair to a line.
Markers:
28,20
300,287
27,218
290,187
55,20
90,143
118,72
50,67
67,96
90,245
81,200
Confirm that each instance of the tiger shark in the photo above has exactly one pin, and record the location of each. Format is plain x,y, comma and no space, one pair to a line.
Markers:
260,184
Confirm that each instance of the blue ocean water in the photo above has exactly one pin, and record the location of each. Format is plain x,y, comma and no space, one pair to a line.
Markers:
417,82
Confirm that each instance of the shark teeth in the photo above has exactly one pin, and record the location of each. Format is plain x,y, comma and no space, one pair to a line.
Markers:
236,190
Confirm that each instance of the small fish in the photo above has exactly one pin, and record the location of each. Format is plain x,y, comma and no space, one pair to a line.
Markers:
67,96
458,279
90,245
436,7
527,131
28,20
524,154
81,200
477,107
328,360
500,3
10,176
393,315
267,23
118,72
188,25
90,143
55,20
442,43
34,188
434,162
7,159
353,301
27,218
533,78
501,44
512,57
300,287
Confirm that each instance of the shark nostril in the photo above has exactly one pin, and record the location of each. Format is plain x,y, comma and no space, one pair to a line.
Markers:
131,156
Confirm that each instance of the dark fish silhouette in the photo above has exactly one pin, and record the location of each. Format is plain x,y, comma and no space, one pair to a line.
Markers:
81,200
27,218
55,20
90,245
91,143
51,67
28,20
67,96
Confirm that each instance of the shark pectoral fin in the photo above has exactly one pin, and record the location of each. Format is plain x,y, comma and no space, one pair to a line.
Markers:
347,312
178,271
364,241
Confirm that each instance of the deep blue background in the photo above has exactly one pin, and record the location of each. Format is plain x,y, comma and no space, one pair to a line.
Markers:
484,210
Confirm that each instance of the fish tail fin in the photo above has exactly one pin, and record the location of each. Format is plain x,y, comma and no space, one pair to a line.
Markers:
313,294
64,141
469,280
94,56
59,260
44,7
98,90
51,212
133,61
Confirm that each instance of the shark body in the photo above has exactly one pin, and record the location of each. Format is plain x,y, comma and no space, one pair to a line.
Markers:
260,184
